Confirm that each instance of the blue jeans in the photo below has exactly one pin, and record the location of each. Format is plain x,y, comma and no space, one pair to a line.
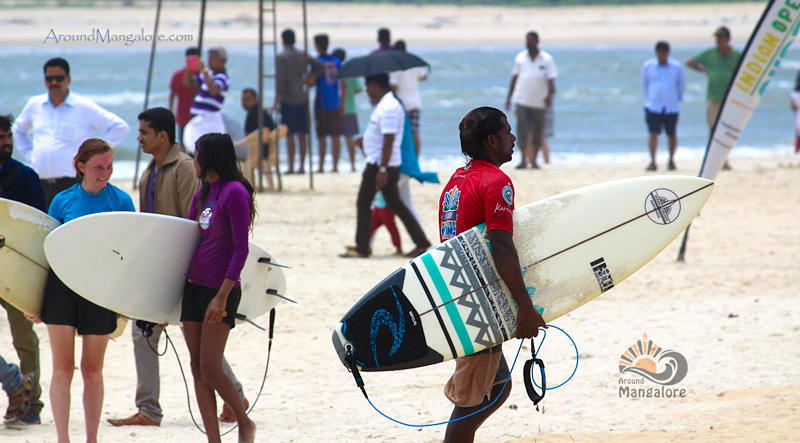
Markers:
10,376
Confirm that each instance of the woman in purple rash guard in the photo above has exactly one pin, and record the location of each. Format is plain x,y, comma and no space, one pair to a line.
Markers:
224,208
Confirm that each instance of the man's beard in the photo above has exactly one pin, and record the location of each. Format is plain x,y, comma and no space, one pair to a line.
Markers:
5,153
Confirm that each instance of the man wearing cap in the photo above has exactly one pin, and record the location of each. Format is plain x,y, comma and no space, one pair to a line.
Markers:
719,64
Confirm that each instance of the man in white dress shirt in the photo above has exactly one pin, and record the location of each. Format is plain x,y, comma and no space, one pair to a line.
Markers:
533,85
52,127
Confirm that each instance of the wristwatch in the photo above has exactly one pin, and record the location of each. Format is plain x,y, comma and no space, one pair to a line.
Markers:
381,169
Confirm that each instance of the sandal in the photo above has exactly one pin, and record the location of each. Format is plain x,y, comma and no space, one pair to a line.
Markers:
19,400
137,419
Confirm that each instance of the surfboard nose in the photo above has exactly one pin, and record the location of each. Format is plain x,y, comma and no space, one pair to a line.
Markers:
339,343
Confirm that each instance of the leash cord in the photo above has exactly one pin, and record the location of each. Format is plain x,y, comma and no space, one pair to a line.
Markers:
498,395
577,357
186,383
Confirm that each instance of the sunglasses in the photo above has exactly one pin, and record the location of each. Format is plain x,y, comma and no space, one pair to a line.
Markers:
54,78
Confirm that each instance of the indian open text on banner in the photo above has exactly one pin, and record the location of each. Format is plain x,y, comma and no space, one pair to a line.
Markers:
767,46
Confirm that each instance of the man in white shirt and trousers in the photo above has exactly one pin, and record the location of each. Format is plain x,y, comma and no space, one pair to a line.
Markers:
533,85
381,145
52,127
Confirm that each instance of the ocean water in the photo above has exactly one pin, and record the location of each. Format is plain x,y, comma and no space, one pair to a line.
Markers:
599,100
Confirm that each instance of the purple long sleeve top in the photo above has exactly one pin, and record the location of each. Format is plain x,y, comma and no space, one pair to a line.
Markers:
224,223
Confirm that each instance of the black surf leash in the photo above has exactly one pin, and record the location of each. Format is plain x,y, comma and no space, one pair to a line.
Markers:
528,376
147,331
530,382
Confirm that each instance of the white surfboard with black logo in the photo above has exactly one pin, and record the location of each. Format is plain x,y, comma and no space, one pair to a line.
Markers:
450,301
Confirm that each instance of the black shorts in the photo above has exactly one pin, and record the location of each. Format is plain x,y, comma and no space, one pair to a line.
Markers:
197,297
656,121
329,122
62,306
295,117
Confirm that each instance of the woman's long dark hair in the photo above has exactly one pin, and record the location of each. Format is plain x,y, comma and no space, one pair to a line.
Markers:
215,152
476,127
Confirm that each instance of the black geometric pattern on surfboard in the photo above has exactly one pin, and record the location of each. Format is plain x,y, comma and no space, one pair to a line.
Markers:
504,315
487,305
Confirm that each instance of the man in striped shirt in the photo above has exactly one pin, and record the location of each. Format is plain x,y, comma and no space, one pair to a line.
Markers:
211,84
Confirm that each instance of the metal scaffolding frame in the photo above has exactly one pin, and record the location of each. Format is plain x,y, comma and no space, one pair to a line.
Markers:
272,10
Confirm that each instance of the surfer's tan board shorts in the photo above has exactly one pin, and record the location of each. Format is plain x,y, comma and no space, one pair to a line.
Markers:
475,376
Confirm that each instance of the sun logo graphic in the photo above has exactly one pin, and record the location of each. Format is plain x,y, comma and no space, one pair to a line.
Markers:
649,360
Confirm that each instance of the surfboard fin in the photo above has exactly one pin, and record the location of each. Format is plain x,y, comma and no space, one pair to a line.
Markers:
275,293
269,261
244,318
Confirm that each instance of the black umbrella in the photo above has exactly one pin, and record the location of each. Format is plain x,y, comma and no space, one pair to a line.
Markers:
378,63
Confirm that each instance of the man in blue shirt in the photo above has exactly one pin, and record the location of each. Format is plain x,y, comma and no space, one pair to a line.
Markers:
663,83
328,108
20,183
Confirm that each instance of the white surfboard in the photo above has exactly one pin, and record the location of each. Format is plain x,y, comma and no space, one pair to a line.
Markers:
450,302
23,265
136,263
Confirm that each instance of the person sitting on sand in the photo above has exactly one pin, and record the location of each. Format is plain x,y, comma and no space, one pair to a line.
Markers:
224,208
481,193
65,312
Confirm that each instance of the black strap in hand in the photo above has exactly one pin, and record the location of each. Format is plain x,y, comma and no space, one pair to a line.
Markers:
528,376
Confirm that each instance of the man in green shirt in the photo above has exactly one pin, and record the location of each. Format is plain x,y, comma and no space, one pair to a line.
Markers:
349,87
719,64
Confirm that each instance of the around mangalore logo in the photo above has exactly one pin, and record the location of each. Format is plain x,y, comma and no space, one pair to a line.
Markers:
645,360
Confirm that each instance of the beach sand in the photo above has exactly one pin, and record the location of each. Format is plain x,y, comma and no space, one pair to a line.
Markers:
231,22
731,309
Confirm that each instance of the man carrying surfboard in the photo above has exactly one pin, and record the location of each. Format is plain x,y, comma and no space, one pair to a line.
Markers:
21,183
481,193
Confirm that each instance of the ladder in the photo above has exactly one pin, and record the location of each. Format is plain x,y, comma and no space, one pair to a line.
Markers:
267,11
